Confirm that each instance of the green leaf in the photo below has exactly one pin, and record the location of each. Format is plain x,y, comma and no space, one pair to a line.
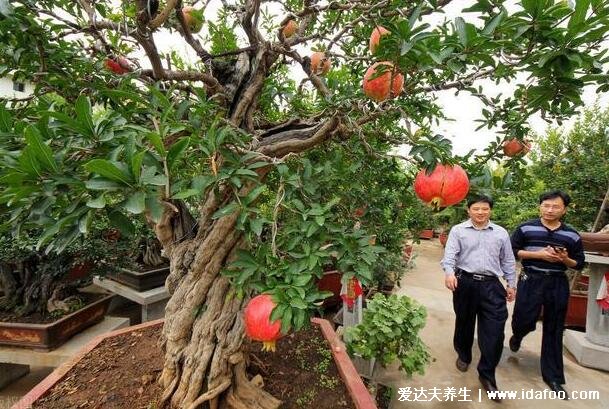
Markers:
301,280
98,203
579,14
226,210
246,172
155,208
108,170
492,25
299,319
186,193
278,312
102,184
84,113
530,6
122,222
256,225
298,303
6,120
136,203
157,143
286,320
461,31
41,151
253,195
136,164
414,16
84,224
176,151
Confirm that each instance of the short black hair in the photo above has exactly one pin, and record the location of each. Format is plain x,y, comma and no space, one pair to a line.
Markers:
553,194
479,199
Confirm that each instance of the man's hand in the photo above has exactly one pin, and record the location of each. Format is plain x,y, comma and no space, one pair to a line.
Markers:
511,294
551,255
450,282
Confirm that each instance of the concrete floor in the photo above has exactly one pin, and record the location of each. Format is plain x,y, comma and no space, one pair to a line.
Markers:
10,394
516,371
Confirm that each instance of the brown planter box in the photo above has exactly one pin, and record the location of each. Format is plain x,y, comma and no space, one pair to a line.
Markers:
356,388
50,336
141,280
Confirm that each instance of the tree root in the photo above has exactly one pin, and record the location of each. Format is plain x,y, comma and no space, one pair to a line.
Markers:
212,394
245,394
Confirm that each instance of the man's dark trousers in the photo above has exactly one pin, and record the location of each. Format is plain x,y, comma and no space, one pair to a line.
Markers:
552,292
485,300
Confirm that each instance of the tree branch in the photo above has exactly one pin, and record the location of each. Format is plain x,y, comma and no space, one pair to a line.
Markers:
163,15
325,131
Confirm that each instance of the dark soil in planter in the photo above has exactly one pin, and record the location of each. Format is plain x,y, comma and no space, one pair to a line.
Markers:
121,372
301,373
39,318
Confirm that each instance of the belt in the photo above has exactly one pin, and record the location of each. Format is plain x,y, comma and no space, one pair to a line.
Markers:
544,272
475,276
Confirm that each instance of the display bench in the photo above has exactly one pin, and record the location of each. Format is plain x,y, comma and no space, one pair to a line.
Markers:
152,301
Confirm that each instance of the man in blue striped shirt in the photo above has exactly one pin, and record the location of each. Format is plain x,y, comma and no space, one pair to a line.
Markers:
547,247
477,254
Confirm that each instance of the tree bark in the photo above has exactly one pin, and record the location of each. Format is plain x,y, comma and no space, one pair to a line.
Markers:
203,332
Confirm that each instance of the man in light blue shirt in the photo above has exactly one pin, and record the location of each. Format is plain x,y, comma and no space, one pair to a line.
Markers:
478,253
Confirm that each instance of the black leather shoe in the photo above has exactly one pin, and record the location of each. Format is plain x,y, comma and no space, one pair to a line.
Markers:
560,391
462,366
515,343
490,387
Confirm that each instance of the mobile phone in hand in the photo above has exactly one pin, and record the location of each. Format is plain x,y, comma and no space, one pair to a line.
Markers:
559,249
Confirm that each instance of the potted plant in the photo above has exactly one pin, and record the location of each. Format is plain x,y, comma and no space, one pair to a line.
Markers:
138,262
388,332
41,304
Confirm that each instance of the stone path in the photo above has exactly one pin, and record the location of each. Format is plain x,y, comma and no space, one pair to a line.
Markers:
517,372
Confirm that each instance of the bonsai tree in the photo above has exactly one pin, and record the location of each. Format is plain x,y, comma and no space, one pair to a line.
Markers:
210,145
34,281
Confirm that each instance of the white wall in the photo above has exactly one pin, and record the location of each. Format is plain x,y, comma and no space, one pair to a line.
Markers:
6,89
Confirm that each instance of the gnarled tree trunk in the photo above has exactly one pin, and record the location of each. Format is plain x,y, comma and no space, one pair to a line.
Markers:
203,330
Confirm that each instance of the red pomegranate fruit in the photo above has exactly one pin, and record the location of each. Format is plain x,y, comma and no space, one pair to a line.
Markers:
389,84
515,147
320,63
118,65
290,28
258,325
445,186
375,37
193,19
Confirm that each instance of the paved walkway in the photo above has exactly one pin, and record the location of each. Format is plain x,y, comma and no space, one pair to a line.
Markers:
516,371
